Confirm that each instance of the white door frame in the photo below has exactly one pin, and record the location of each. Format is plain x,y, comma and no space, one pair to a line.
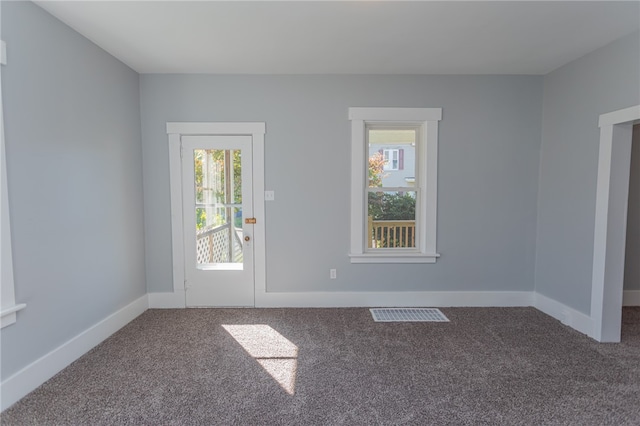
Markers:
612,195
175,131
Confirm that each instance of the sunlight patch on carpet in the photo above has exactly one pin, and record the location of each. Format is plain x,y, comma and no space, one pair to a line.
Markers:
277,355
408,315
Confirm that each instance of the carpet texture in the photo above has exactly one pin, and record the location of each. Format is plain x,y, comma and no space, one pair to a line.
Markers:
490,366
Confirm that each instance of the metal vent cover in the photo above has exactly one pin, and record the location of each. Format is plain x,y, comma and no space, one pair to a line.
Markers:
408,315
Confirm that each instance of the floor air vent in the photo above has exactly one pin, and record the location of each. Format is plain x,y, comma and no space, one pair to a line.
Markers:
408,315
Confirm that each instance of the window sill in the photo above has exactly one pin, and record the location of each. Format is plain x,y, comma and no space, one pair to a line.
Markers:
8,315
394,257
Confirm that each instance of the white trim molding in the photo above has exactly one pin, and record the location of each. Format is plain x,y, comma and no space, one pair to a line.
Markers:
425,121
175,132
626,115
394,258
566,315
395,299
612,192
8,315
30,377
8,307
33,375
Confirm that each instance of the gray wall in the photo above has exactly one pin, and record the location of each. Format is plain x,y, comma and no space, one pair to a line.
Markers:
632,259
574,96
75,183
488,163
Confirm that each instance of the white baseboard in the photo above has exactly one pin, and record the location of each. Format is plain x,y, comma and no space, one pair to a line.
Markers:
563,313
41,370
631,298
396,299
166,300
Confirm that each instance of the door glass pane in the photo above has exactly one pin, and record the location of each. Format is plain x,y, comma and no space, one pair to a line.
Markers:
391,219
218,208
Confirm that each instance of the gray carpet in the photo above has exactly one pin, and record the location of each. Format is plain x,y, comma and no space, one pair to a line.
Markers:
336,366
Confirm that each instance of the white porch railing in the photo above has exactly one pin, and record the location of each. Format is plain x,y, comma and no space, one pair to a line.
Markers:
220,244
391,233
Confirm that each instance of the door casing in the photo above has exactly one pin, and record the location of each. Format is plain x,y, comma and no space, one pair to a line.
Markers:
612,193
175,131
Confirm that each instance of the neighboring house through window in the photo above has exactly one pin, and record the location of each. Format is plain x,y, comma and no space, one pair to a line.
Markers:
394,184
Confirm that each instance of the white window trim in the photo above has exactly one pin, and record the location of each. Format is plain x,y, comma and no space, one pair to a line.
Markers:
9,309
427,161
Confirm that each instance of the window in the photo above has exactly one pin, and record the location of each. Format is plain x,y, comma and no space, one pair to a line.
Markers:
394,175
8,307
392,159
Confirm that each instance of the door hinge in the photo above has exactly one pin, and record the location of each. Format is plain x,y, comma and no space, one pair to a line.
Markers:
181,150
250,221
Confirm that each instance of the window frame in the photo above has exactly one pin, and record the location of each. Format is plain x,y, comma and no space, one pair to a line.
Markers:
427,120
8,307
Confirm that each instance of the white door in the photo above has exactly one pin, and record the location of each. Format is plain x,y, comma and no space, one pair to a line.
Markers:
218,214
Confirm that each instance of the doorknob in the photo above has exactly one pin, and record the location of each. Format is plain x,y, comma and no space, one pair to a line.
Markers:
247,238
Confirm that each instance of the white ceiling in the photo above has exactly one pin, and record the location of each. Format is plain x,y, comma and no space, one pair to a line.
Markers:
336,37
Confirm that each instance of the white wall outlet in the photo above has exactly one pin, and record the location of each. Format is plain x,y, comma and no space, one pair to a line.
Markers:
269,195
333,274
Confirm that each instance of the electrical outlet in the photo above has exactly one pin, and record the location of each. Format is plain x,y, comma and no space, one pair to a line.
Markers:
332,274
269,195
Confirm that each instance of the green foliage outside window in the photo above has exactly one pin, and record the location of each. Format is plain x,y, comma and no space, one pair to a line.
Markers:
219,157
392,206
385,205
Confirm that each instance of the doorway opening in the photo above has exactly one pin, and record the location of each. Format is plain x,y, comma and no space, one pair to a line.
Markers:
610,231
631,295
